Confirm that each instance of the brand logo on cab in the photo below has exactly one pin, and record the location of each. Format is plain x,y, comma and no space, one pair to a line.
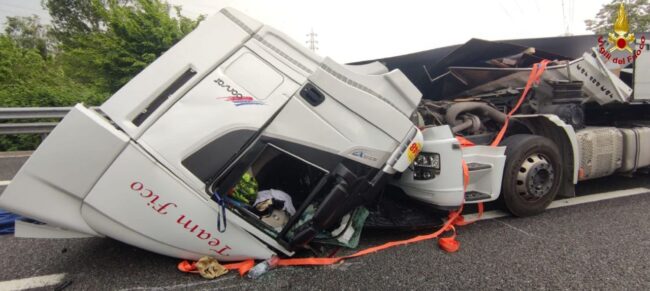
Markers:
237,98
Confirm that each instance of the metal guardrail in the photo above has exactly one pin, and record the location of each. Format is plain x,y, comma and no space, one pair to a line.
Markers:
33,112
27,113
26,128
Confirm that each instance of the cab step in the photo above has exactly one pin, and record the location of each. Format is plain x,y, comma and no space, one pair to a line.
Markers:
478,166
476,196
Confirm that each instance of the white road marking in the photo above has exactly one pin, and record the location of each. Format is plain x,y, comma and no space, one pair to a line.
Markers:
518,229
598,197
5,183
568,202
33,282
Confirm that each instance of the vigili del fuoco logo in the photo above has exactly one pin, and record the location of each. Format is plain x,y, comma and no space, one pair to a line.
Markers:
620,47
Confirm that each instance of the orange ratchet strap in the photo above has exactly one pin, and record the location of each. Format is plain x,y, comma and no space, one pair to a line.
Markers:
448,226
454,219
449,244
242,267
533,78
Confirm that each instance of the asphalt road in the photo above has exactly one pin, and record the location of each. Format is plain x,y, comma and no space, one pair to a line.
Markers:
601,245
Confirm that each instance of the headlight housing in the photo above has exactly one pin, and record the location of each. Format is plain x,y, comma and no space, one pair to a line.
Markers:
426,166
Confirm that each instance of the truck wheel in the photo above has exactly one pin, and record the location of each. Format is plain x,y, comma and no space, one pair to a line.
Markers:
532,174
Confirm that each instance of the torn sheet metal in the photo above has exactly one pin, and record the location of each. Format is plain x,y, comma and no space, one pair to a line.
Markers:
422,68
599,83
475,52
501,78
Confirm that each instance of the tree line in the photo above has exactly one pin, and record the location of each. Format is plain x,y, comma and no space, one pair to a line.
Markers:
88,51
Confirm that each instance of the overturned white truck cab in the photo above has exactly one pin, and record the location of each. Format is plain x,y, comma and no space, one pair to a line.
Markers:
239,143
231,97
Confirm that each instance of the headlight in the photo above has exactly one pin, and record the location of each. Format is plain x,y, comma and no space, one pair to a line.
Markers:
426,166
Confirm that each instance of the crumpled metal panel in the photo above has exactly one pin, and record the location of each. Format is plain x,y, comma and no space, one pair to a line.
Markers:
427,69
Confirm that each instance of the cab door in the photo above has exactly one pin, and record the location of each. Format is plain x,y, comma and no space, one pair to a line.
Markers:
201,133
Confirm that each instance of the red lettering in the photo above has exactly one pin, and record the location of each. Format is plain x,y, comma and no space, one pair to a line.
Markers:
215,242
221,251
136,186
163,207
155,198
149,193
186,225
203,232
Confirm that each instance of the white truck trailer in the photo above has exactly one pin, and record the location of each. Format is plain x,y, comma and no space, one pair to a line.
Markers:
237,101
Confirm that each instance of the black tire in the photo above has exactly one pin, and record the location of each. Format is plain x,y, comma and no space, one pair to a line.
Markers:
532,175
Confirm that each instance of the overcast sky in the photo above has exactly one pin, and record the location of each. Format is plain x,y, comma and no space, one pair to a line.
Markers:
352,30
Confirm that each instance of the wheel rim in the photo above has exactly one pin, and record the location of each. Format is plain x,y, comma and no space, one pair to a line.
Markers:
535,177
